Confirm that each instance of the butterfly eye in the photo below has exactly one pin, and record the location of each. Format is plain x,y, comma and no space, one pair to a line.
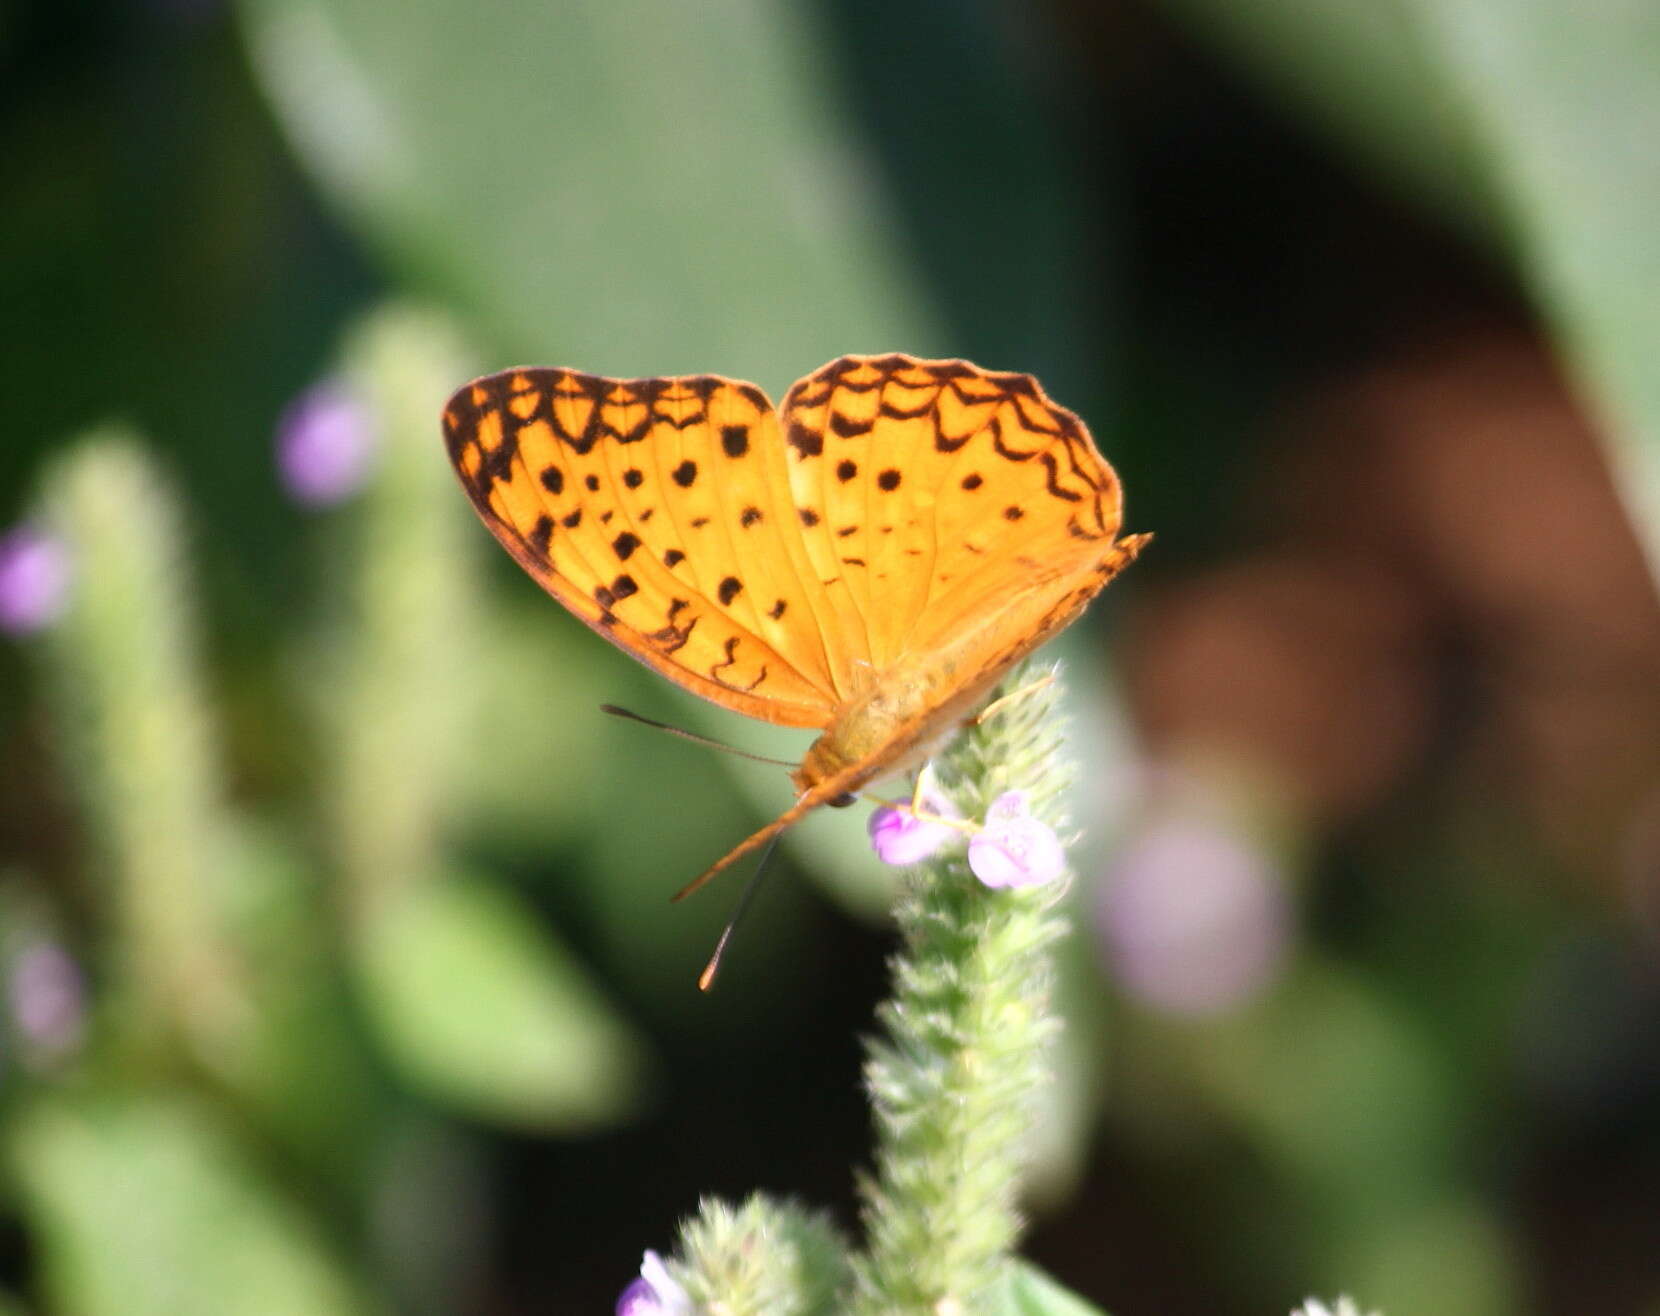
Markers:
844,800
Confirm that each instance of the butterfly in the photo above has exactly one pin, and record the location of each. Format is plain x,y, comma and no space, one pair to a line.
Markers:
867,561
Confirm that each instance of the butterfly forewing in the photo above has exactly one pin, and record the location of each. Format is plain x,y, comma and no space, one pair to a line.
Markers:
659,512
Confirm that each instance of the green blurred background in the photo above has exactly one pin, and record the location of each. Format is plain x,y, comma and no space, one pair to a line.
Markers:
339,970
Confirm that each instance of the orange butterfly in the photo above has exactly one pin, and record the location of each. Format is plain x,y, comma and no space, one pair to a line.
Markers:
869,561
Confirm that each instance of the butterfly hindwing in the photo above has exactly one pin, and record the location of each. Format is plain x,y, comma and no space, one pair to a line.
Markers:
944,491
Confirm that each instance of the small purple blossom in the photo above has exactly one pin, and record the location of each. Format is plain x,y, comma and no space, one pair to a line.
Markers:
34,580
1014,849
654,1292
1194,917
900,838
47,998
325,445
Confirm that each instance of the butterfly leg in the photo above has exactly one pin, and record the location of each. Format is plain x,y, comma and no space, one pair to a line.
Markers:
919,810
915,807
1003,701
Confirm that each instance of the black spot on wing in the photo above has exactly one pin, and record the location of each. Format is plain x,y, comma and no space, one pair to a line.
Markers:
806,442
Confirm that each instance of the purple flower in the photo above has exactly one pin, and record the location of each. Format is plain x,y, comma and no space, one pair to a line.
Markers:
325,445
654,1293
638,1299
1194,917
1015,849
46,997
899,837
34,580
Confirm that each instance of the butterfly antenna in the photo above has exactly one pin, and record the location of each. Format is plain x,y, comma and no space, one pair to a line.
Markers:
706,979
692,736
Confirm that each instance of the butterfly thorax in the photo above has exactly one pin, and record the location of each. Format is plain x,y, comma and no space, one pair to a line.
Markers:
895,723
907,710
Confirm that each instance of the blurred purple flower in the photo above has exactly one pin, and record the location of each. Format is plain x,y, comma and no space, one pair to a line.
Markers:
46,997
654,1292
1194,917
34,580
1014,849
325,445
901,838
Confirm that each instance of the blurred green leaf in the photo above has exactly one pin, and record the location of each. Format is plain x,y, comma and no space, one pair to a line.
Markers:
298,1067
539,759
1538,122
642,188
1451,1257
1362,1113
1027,1291
143,1204
1565,103
1357,70
479,1007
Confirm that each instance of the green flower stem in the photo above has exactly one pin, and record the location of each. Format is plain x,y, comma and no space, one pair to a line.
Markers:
399,686
954,1080
140,754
